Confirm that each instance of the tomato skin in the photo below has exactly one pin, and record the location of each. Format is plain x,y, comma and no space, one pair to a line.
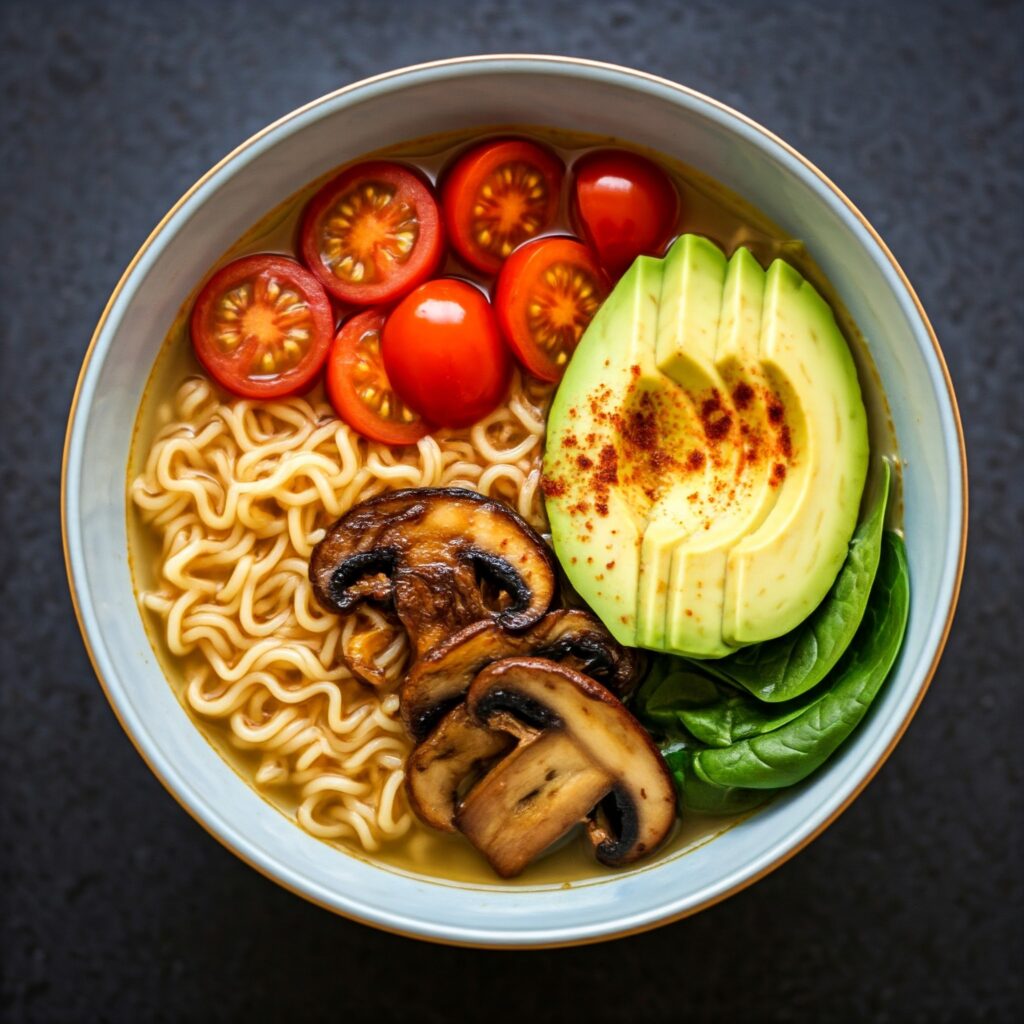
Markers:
444,354
231,368
350,354
624,206
397,275
462,194
544,341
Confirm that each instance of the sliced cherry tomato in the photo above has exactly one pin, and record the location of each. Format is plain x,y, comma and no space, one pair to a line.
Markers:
548,292
358,385
497,196
262,326
624,206
444,354
372,233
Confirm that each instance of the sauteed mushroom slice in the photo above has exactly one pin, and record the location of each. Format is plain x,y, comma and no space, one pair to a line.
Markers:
439,768
432,554
530,800
440,678
578,746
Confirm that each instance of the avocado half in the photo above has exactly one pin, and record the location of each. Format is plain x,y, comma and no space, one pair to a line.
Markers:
706,453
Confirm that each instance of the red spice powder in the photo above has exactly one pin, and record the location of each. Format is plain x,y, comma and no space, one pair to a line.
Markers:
782,447
778,474
640,426
714,418
608,470
695,460
606,477
570,441
584,461
743,395
552,488
786,442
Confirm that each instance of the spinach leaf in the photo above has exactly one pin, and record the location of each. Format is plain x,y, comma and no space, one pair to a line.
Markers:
784,668
735,717
670,687
702,797
790,753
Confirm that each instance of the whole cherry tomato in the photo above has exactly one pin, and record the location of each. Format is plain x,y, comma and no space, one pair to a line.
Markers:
624,206
444,355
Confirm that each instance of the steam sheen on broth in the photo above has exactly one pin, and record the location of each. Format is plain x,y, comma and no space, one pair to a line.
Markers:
229,497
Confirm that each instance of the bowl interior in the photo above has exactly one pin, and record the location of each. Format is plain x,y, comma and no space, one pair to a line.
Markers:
417,102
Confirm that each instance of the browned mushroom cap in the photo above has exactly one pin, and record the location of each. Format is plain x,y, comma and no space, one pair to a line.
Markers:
446,761
576,638
431,553
579,748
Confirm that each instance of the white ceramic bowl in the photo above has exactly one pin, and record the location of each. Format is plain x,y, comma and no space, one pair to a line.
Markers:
486,91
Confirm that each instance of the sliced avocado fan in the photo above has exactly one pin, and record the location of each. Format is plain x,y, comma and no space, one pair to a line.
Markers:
706,453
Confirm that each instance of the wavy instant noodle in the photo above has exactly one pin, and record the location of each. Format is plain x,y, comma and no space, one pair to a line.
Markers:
238,492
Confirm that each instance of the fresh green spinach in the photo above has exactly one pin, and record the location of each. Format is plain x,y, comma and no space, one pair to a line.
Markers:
734,717
789,753
787,667
702,797
669,688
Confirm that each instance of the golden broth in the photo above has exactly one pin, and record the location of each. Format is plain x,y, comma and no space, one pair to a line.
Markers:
708,209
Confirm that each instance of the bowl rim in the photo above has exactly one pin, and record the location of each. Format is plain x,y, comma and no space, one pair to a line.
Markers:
554,61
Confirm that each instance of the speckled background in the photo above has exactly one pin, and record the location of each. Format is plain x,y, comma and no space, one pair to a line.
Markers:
115,905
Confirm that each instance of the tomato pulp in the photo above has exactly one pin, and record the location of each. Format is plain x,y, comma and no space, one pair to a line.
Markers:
262,326
372,233
497,196
358,385
548,292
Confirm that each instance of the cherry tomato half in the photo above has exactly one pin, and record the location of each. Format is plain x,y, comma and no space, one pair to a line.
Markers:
262,326
624,206
358,385
444,354
548,292
372,233
497,196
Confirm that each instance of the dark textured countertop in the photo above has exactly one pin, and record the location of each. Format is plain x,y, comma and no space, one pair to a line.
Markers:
115,905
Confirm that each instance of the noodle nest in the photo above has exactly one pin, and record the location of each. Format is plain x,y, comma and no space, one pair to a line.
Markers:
237,494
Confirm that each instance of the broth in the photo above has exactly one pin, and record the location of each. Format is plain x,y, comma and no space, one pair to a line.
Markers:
707,209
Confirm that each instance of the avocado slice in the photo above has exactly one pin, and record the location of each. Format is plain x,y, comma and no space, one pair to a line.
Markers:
688,323
779,573
739,492
706,453
597,513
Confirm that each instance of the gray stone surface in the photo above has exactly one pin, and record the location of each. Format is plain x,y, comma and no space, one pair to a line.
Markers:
115,906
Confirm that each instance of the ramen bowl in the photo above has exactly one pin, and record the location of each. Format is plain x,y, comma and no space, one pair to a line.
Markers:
444,97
